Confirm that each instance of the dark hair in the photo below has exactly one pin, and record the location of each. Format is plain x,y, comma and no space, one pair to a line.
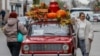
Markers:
13,15
81,13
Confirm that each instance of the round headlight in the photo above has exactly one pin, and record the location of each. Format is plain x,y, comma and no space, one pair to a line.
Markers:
65,47
26,47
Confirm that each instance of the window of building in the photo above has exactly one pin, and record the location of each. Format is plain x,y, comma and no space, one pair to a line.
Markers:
36,1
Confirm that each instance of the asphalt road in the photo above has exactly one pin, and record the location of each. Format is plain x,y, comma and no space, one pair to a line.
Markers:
95,49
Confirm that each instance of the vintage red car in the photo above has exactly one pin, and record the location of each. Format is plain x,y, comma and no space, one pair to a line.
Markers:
49,38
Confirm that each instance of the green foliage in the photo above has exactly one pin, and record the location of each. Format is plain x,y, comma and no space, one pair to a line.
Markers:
97,5
60,3
36,1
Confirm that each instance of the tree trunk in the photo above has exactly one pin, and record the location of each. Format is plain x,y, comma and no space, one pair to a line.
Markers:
73,3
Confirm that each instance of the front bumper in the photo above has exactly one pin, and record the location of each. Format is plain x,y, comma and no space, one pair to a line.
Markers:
46,55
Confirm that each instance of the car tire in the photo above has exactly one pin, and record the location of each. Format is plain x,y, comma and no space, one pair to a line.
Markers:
32,54
74,52
97,20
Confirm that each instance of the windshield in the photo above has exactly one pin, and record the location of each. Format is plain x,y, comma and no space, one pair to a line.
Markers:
49,30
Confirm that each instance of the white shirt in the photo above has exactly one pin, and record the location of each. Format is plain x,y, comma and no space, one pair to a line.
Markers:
81,26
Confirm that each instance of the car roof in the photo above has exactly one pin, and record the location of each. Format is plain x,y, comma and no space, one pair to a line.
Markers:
96,14
82,8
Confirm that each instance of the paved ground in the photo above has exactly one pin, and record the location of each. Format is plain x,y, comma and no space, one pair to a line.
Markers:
3,46
95,50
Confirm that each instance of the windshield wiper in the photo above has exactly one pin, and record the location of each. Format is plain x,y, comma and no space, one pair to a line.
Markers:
49,33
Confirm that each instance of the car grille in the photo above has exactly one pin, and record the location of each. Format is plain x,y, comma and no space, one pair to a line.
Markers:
46,47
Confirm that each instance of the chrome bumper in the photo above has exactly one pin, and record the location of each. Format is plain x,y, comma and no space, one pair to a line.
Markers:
46,55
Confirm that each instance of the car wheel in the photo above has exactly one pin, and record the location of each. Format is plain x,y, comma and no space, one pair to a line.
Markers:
32,54
74,52
97,20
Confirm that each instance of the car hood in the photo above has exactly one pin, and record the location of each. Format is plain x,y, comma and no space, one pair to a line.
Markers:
47,39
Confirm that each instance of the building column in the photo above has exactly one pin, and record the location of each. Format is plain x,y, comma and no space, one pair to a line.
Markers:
0,4
22,7
6,5
3,4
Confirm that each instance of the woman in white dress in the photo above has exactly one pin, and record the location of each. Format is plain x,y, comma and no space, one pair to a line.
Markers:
84,33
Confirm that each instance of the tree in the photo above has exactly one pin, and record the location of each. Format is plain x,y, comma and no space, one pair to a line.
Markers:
36,1
60,3
73,3
97,6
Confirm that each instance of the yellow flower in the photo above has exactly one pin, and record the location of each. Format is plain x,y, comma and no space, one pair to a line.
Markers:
64,21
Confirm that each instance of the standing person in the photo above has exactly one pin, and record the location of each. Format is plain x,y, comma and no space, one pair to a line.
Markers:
84,33
10,30
88,17
29,20
3,13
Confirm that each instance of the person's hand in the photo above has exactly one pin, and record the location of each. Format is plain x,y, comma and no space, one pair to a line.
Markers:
73,21
90,40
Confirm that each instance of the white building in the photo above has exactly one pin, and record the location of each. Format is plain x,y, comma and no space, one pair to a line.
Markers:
16,5
3,4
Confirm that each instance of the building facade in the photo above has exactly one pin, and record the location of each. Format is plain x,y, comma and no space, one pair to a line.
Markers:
16,5
0,4
20,6
3,4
